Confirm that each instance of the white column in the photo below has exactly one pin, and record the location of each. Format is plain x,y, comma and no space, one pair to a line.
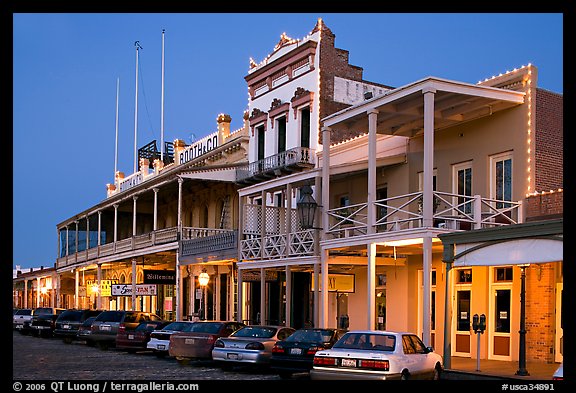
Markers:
178,301
426,294
115,224
99,226
37,291
288,296
372,124
133,284
427,209
76,241
288,209
99,278
325,182
76,297
53,292
25,293
263,224
262,296
58,284
323,321
239,306
193,292
87,233
67,242
155,224
134,198
316,294
180,181
371,286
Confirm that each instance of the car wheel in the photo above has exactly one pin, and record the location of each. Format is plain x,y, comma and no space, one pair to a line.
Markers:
437,373
405,375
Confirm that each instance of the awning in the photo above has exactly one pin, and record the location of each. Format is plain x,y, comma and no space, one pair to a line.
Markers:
526,243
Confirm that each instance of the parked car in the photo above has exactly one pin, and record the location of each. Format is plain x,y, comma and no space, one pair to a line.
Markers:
132,340
250,345
108,323
160,338
559,373
21,320
84,331
198,341
296,353
69,321
44,321
377,355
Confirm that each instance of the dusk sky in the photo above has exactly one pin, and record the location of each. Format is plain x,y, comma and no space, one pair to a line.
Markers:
65,69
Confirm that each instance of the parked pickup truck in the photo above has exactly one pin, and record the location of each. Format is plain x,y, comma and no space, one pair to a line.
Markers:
44,321
21,320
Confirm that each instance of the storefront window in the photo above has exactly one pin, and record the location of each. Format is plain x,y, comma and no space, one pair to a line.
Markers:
502,316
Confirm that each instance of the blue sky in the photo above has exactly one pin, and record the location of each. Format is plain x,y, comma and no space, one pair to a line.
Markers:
65,68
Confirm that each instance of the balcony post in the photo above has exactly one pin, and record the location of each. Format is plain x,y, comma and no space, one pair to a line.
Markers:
371,208
288,214
76,243
371,286
477,206
67,244
134,199
427,209
115,225
133,284
325,186
262,296
26,293
76,289
87,235
316,294
99,278
240,304
288,296
263,225
99,230
324,303
180,181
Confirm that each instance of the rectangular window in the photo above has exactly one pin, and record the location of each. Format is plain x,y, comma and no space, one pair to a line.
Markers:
501,179
463,309
305,127
503,274
281,122
381,193
463,186
464,276
502,310
260,135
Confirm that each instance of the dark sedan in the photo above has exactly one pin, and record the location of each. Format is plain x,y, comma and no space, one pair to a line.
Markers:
295,354
69,321
137,339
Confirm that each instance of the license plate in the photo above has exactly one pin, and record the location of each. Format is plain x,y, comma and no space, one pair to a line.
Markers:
348,362
19,326
233,356
65,326
107,328
130,337
295,351
189,341
161,347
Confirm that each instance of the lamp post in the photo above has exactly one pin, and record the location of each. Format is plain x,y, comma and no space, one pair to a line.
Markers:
203,279
522,348
306,207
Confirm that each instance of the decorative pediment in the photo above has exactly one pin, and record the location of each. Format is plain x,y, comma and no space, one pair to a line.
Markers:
278,108
301,97
257,117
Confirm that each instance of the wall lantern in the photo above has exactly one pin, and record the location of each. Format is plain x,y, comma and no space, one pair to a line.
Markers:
306,207
203,278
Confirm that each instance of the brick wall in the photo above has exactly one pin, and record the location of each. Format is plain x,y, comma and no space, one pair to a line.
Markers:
334,62
540,312
549,140
544,206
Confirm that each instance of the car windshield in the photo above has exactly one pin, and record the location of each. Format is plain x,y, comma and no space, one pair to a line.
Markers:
70,316
24,312
178,326
255,331
206,327
110,316
147,326
311,336
43,311
367,341
88,322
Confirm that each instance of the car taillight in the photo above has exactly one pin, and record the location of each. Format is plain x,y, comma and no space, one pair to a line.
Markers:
219,344
121,328
93,328
210,339
257,346
277,349
376,364
313,350
324,361
557,378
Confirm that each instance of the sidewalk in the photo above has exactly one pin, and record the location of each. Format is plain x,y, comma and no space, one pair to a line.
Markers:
466,368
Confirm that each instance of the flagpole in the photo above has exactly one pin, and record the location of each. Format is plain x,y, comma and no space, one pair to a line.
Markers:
162,108
138,47
116,146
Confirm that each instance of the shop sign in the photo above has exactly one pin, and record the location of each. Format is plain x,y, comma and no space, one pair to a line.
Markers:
159,277
199,148
270,275
141,290
339,283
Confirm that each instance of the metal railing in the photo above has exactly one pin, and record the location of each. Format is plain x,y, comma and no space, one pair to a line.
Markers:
291,157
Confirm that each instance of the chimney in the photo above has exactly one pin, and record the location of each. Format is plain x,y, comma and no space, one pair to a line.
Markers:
223,121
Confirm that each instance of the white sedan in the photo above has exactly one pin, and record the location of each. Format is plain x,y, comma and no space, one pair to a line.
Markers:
377,355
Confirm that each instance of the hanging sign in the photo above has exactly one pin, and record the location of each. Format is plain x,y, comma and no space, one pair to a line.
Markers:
141,290
339,283
159,277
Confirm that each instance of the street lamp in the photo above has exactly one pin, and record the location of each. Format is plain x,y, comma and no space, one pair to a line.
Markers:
306,207
203,279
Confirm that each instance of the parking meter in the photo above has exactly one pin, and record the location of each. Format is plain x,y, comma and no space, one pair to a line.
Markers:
482,323
475,323
478,325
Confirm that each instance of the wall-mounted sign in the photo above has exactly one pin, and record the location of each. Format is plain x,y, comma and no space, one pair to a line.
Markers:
131,181
126,290
255,275
199,148
159,277
339,283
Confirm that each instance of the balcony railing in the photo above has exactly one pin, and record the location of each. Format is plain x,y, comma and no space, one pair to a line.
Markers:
286,162
300,244
212,242
154,238
453,211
